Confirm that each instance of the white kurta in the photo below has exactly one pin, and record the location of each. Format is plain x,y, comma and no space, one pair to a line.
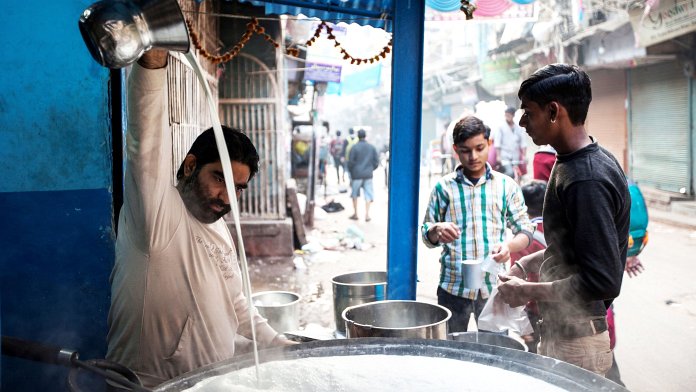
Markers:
176,287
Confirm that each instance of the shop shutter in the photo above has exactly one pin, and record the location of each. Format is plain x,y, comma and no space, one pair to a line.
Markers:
606,120
659,127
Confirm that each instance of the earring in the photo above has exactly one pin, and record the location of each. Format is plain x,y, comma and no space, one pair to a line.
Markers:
553,121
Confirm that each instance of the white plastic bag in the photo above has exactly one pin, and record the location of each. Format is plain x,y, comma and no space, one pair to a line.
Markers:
491,266
497,316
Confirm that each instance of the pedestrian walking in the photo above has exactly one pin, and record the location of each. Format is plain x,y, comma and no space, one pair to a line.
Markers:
336,150
362,161
510,147
586,218
467,214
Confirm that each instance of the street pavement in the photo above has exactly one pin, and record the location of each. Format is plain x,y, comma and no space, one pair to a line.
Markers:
655,314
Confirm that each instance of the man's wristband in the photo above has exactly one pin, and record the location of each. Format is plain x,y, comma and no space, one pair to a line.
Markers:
524,271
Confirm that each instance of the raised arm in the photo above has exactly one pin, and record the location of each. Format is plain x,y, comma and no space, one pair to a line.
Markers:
148,147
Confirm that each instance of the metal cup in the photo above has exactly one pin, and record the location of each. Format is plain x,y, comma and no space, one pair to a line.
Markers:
472,274
118,32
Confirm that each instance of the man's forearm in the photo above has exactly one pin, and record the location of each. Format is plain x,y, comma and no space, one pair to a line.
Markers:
539,291
518,242
532,263
154,59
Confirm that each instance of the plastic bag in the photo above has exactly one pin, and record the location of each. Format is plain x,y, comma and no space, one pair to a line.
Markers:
497,316
491,266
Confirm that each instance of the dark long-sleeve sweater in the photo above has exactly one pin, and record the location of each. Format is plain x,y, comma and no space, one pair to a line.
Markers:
586,220
363,160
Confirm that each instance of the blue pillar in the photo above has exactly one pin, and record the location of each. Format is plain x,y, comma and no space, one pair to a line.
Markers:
404,156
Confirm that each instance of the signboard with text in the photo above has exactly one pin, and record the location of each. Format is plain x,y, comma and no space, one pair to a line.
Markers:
319,72
670,19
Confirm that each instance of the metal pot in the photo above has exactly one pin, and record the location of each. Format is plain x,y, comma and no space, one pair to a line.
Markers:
490,338
279,308
356,288
554,372
404,319
118,32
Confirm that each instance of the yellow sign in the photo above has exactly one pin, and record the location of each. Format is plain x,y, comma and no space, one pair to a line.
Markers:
670,19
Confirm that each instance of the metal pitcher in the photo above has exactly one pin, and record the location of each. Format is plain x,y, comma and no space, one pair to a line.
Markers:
118,32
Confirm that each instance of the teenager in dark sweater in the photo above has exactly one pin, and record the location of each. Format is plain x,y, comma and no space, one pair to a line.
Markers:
586,220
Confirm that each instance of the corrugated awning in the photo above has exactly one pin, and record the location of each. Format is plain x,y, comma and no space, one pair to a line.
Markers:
607,27
376,13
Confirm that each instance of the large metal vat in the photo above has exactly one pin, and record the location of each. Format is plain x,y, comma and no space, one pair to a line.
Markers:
402,319
554,372
356,288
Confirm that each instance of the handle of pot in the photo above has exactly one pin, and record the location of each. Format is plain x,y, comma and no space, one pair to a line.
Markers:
33,351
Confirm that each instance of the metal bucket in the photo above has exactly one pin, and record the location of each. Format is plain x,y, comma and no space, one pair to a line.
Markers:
279,308
403,319
552,371
489,338
356,288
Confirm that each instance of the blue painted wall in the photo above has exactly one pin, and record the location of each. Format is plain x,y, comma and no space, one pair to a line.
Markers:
56,232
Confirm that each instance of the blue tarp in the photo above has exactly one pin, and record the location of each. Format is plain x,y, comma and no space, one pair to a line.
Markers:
375,13
357,81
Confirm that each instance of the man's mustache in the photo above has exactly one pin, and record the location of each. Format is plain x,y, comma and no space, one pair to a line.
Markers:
220,203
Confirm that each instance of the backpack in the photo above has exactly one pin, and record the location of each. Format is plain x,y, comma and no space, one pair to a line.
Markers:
350,142
336,147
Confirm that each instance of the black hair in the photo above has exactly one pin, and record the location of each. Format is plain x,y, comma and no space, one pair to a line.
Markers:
566,84
510,110
239,146
338,133
469,127
533,193
361,134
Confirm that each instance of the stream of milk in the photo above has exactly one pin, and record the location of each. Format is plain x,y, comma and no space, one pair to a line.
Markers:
229,184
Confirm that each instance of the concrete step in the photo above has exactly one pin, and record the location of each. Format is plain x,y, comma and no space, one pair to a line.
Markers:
662,200
684,208
671,218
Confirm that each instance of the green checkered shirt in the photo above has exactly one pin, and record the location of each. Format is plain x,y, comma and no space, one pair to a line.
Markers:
482,212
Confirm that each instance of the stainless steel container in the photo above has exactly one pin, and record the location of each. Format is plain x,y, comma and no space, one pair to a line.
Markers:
489,338
118,32
552,371
403,319
356,288
279,308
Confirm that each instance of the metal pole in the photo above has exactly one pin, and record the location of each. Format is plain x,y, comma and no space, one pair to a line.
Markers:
405,139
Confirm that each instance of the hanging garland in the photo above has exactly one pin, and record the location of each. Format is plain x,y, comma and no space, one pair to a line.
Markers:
253,28
346,55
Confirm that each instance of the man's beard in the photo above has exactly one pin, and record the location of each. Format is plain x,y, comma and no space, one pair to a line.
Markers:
198,203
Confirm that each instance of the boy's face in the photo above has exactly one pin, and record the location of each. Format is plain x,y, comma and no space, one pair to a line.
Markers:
536,122
473,154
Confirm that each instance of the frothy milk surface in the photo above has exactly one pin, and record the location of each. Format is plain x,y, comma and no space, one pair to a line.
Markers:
374,373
